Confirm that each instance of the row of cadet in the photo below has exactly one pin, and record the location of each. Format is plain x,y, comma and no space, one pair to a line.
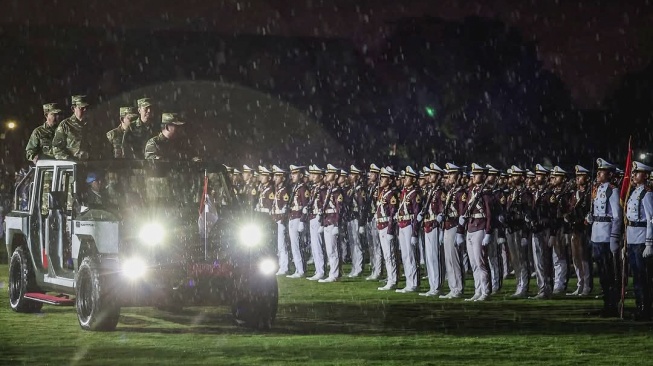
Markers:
549,223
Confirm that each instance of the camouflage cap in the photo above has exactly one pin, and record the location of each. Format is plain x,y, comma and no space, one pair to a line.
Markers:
51,108
171,118
128,111
144,102
79,101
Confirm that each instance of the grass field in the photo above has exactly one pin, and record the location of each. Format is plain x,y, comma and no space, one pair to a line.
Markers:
348,322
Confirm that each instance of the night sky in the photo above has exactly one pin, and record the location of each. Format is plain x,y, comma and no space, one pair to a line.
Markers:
590,44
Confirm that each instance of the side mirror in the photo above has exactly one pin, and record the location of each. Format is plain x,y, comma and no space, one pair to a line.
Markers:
56,200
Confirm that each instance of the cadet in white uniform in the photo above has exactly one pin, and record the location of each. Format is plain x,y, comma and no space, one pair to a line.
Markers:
606,220
639,237
373,242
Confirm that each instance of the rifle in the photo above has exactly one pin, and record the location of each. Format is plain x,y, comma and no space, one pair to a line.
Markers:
324,205
475,201
429,199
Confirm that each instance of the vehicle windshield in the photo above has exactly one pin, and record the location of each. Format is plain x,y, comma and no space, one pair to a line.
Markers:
164,189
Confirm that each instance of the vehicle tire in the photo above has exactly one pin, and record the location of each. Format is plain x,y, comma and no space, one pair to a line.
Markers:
96,302
255,302
22,281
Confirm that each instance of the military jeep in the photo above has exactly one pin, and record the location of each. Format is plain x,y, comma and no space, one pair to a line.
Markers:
109,234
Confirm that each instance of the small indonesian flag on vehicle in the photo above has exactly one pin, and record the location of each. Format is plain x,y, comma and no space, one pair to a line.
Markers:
208,213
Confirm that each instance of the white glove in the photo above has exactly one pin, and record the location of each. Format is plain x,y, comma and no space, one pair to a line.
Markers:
486,239
614,245
300,227
441,237
395,216
361,230
459,239
527,219
283,211
502,219
320,230
462,220
335,230
524,242
305,210
439,218
419,217
589,219
413,240
501,241
648,251
551,241
83,209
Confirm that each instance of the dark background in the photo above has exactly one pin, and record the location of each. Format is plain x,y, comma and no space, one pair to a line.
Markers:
346,82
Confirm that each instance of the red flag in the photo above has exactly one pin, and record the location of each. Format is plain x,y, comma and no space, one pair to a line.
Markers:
205,191
625,185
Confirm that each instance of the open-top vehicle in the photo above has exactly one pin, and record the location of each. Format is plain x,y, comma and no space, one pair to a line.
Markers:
164,234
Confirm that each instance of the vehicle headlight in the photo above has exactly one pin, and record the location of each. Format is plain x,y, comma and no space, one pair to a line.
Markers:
151,234
134,268
267,266
250,235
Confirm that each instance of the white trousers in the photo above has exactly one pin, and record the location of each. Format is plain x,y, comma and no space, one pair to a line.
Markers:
355,247
542,262
433,259
387,248
519,260
478,262
374,246
494,264
581,265
282,249
331,245
408,254
505,258
317,247
420,242
453,261
560,260
295,248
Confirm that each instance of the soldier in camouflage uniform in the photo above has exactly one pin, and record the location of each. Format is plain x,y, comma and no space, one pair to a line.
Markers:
119,136
72,137
144,128
161,146
39,145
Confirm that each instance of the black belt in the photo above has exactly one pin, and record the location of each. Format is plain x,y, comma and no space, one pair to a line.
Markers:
637,223
602,219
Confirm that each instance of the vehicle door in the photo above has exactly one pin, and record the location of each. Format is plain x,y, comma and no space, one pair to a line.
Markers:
59,235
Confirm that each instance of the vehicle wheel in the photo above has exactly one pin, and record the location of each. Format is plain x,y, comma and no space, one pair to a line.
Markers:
255,302
97,308
22,281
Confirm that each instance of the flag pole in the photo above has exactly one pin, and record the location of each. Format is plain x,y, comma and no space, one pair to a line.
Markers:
206,211
624,251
